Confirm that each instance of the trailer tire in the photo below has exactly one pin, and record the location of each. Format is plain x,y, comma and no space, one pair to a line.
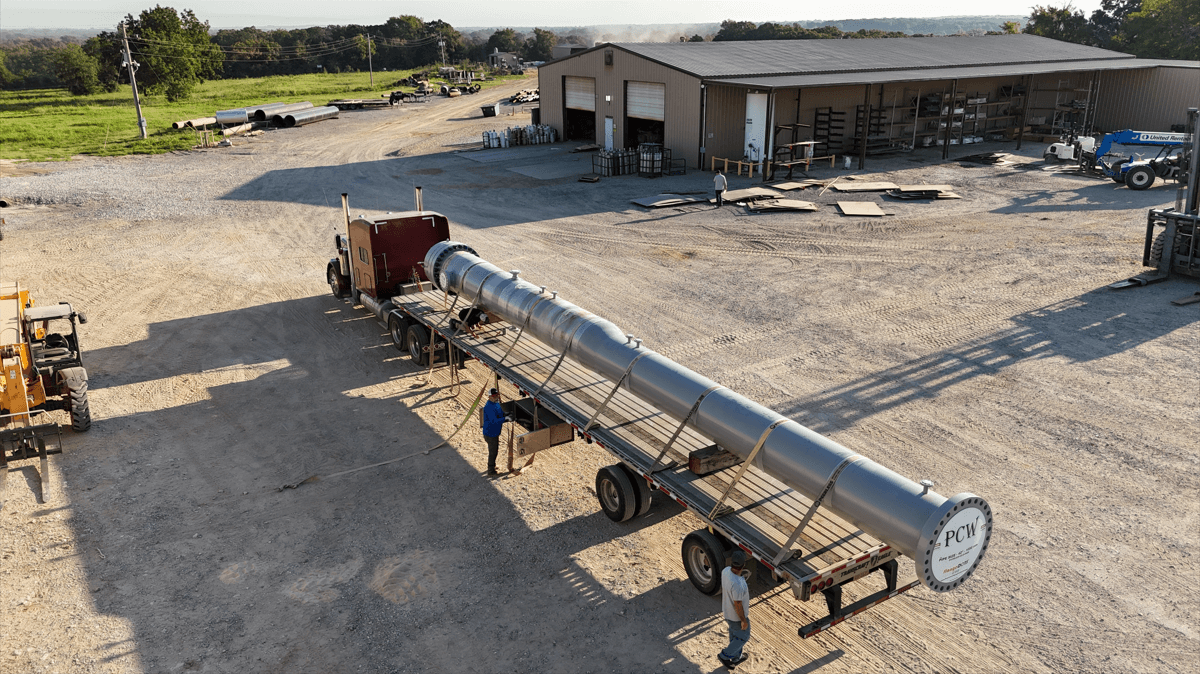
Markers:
338,284
416,344
615,491
703,559
398,329
644,493
77,406
1156,248
1139,178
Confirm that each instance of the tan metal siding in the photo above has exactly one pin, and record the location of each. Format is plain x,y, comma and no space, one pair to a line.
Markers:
725,135
682,124
1147,100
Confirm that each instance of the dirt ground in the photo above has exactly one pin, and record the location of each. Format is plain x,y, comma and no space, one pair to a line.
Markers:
972,342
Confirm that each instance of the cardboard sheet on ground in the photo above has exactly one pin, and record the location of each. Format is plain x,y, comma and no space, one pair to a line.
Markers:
665,200
860,208
749,193
782,205
864,187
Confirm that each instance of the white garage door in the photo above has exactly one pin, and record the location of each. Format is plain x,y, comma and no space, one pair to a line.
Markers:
646,100
581,93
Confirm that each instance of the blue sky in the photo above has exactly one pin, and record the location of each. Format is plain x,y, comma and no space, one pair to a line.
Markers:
18,14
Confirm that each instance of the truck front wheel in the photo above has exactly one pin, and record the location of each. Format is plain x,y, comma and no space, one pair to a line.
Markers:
703,559
1139,178
338,284
77,404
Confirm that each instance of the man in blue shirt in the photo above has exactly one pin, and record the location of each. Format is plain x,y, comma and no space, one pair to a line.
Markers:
735,600
493,423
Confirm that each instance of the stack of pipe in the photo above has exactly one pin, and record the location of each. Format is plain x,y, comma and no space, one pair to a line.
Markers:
302,117
278,113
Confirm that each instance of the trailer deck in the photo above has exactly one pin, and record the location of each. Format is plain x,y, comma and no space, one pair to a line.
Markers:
761,514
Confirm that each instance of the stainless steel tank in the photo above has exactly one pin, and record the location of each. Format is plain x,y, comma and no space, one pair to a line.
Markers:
945,537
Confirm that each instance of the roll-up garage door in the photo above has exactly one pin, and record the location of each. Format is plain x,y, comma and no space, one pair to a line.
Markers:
646,100
581,93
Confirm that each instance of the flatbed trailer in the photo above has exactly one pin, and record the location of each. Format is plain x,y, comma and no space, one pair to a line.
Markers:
739,505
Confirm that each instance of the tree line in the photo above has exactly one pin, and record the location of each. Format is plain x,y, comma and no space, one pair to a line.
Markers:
173,51
1161,29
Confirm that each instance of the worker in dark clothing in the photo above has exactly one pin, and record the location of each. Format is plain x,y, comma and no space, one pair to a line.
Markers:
493,423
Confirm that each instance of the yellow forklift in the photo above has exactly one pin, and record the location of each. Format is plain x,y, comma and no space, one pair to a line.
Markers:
42,372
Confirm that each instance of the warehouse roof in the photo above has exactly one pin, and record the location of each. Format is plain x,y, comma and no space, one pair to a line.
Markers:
933,74
796,57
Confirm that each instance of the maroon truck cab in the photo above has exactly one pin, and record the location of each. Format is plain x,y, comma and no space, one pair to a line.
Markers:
380,256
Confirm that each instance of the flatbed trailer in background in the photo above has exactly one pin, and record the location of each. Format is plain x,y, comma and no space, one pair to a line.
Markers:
793,538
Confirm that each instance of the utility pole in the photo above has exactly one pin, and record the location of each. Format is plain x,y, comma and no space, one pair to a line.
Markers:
442,45
133,81
369,65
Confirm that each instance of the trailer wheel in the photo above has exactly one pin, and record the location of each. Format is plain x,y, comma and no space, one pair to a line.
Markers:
81,412
417,342
616,494
703,558
1139,178
398,329
1156,248
643,490
337,283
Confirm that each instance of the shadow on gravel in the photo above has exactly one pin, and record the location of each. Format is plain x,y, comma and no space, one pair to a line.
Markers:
183,534
1091,195
479,189
1092,326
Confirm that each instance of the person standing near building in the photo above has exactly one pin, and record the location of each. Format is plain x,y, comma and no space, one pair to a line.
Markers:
735,601
493,423
720,184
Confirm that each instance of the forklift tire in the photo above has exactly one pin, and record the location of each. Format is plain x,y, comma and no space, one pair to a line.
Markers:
616,493
703,559
1139,178
81,413
398,329
644,492
417,343
337,283
1156,249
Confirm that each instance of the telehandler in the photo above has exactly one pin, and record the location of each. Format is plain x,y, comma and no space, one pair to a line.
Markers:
42,371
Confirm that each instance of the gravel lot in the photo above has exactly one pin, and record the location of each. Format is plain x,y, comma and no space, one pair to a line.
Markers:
968,341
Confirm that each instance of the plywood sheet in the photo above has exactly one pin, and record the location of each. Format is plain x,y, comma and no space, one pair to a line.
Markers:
860,208
798,185
664,200
864,187
749,193
925,188
783,205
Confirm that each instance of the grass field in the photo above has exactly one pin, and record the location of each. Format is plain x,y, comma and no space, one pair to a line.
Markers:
51,124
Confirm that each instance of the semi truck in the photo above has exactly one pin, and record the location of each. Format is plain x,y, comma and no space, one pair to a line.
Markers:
811,513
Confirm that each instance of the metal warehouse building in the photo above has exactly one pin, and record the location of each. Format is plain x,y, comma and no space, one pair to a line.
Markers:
861,97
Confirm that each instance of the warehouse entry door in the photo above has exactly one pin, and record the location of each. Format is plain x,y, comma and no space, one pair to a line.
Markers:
609,129
579,113
756,125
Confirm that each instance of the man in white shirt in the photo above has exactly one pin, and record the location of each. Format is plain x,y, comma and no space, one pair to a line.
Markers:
735,601
720,185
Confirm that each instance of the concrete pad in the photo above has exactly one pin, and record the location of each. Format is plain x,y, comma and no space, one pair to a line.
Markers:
556,167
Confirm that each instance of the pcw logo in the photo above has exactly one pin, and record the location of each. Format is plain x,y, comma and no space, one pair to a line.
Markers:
964,533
